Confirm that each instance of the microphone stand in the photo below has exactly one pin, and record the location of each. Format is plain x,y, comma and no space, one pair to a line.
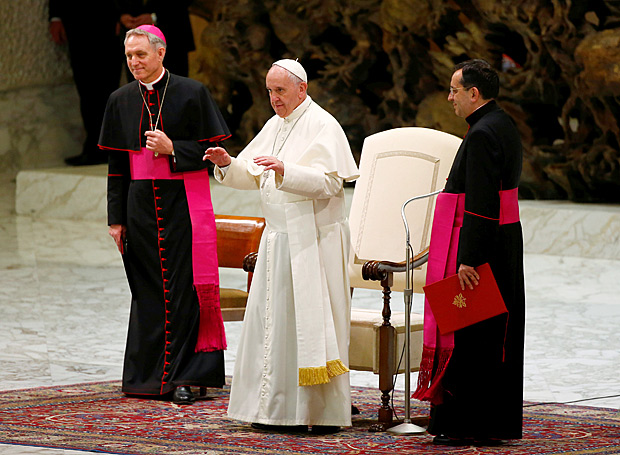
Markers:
407,427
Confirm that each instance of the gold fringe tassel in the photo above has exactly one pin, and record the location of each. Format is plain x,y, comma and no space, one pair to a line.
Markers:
313,376
321,375
336,368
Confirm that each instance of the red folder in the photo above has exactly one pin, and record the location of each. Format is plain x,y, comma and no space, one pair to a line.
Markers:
455,308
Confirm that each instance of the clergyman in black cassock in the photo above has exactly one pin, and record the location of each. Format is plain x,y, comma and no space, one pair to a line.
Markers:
474,378
160,215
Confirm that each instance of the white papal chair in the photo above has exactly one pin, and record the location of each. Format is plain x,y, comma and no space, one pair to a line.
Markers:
395,165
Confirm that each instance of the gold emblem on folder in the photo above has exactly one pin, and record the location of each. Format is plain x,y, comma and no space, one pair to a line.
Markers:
459,301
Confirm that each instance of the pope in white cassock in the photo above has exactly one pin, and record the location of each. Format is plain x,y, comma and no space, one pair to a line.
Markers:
291,369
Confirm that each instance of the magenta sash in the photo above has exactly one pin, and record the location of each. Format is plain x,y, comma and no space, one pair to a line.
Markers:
447,222
437,349
509,206
145,166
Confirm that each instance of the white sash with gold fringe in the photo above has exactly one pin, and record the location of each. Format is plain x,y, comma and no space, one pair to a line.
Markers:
317,346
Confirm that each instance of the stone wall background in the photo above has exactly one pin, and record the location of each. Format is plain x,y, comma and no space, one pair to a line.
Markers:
375,65
379,64
40,123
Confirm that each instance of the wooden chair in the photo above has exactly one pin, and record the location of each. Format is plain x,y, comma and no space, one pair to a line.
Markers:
238,238
395,165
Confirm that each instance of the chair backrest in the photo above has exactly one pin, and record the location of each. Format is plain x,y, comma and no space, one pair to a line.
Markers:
237,236
396,165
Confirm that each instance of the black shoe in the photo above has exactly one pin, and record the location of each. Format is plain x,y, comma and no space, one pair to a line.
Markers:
281,428
183,395
87,159
354,410
324,429
444,440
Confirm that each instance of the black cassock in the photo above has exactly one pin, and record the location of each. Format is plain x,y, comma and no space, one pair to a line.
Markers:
483,382
165,312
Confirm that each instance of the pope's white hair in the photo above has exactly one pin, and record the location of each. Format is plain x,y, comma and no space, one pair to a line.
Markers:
295,79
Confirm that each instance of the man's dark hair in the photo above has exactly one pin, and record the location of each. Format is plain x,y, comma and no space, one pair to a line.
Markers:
478,73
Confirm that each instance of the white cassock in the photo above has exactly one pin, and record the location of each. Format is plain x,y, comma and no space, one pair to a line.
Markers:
292,364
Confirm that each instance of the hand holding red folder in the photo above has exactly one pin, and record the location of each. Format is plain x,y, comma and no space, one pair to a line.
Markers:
455,308
467,276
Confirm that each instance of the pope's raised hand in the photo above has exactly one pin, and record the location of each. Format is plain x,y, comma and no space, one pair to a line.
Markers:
218,156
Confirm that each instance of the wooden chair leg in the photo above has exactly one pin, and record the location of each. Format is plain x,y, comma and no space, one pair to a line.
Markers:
203,392
387,335
387,341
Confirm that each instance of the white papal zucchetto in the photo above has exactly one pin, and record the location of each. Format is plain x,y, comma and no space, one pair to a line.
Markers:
294,67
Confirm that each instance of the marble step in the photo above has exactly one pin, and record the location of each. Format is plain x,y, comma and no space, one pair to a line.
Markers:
549,227
79,193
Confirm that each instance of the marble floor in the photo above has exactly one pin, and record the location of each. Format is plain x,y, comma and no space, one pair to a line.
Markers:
65,303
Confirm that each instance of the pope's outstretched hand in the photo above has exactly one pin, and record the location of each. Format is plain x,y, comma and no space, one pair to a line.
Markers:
218,156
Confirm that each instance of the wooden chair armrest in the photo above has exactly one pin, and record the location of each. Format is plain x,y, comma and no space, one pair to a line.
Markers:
249,262
379,270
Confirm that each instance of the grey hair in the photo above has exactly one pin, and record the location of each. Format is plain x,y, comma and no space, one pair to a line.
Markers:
294,79
156,41
297,80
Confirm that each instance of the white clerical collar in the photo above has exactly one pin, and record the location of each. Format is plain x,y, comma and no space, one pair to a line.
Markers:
299,109
149,85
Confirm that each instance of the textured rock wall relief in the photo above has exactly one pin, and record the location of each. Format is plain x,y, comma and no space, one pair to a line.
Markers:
377,65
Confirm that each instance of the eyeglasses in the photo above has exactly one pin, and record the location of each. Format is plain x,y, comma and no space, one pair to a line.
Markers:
455,90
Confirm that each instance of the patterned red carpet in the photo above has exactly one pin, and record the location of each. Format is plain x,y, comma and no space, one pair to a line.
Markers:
97,417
